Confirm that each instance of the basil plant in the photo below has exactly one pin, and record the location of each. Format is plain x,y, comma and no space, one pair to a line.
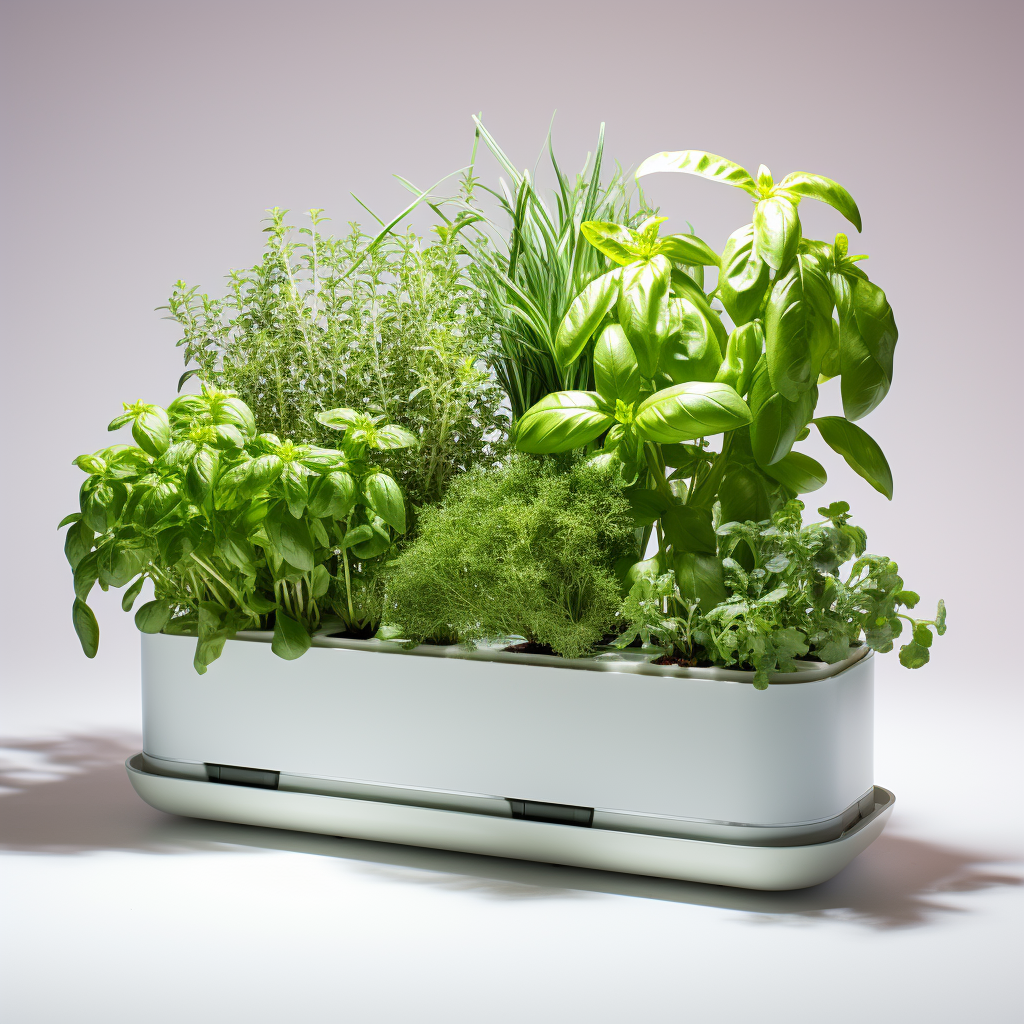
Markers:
235,530
671,368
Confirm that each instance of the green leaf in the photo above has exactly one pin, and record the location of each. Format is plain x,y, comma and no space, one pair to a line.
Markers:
152,430
617,242
777,422
384,496
700,579
742,354
616,373
691,350
247,480
332,495
744,277
290,537
584,317
798,328
291,638
153,616
646,505
391,436
643,310
91,464
200,475
131,594
86,626
914,655
73,517
816,186
689,529
338,419
867,339
688,411
707,165
940,618
562,421
688,249
859,449
776,231
799,472
295,485
378,543
78,543
744,496
356,535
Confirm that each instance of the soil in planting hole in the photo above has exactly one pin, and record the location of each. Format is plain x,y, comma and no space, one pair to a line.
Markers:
529,647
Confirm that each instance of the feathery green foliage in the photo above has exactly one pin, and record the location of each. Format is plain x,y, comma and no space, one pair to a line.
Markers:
524,550
390,327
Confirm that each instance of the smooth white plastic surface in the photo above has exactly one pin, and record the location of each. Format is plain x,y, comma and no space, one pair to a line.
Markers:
752,867
686,744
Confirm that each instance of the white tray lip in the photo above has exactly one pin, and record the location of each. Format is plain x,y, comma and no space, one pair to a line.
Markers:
880,808
807,671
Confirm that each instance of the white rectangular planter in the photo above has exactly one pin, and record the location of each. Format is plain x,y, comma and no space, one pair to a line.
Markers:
622,746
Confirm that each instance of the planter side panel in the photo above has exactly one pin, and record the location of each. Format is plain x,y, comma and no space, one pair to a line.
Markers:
681,747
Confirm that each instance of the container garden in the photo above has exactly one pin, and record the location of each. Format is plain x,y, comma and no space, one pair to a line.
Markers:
603,762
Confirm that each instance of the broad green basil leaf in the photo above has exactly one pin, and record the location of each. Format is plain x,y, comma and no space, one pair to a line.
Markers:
92,464
616,241
707,165
562,421
644,310
816,186
700,579
688,411
85,575
234,548
332,495
229,409
227,436
200,475
71,517
744,278
681,456
153,616
339,419
687,249
291,638
777,422
152,431
378,543
384,496
684,287
131,594
798,328
646,505
175,544
689,529
259,605
776,231
323,460
116,564
799,472
119,421
914,654
290,538
244,481
86,626
744,496
295,486
742,354
356,535
78,543
691,351
867,338
859,449
392,436
584,317
616,373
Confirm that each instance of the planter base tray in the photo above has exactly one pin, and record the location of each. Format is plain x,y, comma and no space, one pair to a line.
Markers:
749,867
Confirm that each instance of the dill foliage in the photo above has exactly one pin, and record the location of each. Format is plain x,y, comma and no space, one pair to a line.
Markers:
526,550
392,328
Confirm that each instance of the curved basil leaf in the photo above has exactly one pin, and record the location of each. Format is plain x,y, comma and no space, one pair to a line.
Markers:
643,310
646,505
339,419
744,496
706,165
562,421
584,317
684,287
152,430
744,278
392,436
616,241
860,450
384,496
290,538
799,472
690,352
687,249
616,373
153,616
700,579
295,485
78,542
777,422
86,626
200,475
131,594
867,338
817,186
688,411
332,495
742,354
291,638
798,328
776,231
377,544
689,529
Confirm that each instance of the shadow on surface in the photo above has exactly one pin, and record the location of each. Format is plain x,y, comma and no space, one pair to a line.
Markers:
72,795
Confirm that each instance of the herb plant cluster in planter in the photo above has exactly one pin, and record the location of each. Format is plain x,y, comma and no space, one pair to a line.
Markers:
345,468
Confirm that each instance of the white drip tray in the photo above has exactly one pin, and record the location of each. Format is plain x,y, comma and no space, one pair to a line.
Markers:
750,867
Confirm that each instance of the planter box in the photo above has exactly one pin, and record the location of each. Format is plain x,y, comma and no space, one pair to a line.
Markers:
476,740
